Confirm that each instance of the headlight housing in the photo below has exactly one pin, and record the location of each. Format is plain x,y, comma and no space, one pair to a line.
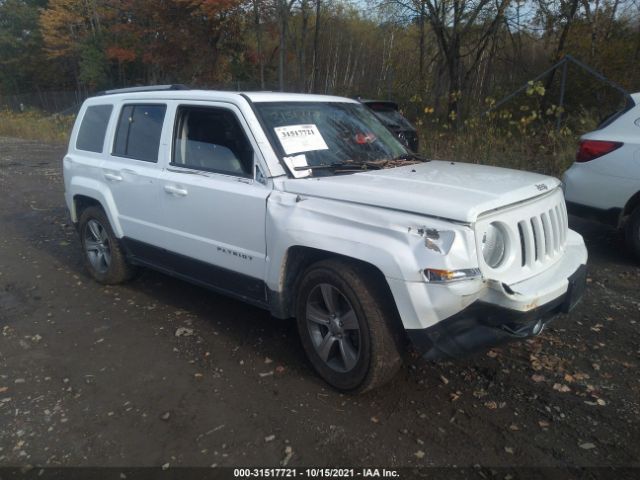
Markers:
493,244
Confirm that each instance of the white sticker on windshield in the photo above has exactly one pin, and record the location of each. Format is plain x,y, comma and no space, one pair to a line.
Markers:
300,138
296,164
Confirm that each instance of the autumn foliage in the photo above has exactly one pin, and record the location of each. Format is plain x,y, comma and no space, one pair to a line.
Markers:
144,41
448,56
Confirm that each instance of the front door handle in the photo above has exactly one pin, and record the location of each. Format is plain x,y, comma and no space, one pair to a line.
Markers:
112,177
177,191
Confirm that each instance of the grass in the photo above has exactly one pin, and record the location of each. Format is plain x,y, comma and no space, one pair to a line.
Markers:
546,151
35,125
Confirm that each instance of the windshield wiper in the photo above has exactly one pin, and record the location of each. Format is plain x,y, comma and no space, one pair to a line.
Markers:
410,156
351,165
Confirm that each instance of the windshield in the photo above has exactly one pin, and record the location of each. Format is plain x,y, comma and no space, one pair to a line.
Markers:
328,133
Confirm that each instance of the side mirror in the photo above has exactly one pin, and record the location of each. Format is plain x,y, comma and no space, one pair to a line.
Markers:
257,172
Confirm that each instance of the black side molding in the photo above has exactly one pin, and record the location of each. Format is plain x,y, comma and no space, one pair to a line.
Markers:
213,277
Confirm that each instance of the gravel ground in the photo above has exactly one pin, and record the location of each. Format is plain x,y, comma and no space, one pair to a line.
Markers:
159,372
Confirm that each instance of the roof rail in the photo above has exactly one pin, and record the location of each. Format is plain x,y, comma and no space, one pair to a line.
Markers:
147,88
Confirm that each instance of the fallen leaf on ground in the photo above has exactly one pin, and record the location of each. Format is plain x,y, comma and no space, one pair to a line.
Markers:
561,387
587,446
288,453
419,454
184,332
480,393
537,378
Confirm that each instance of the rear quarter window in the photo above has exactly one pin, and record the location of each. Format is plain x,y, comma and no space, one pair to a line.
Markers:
93,128
139,130
612,117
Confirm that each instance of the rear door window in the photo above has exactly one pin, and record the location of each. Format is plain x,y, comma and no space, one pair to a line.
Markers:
139,130
93,128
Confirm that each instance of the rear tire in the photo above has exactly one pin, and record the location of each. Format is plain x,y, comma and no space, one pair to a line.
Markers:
102,254
345,326
633,233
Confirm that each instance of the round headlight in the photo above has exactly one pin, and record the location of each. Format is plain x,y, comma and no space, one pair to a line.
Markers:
493,244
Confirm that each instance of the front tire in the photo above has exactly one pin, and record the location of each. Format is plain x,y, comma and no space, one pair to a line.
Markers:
345,326
103,256
633,233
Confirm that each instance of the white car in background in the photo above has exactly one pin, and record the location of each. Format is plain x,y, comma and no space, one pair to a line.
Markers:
604,182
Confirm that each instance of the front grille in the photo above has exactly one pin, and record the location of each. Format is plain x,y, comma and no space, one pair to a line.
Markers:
543,236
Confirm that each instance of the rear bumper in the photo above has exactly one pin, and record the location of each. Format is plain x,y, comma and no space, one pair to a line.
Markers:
611,216
482,325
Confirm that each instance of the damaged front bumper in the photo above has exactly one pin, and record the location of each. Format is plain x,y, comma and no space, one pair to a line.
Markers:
482,325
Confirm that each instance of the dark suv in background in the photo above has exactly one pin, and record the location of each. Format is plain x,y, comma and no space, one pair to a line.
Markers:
389,114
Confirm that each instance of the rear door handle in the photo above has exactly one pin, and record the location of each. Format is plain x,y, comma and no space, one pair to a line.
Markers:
177,191
112,177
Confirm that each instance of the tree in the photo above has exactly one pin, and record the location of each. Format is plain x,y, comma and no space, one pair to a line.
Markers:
72,30
558,13
144,41
23,65
283,9
258,31
316,44
302,67
463,30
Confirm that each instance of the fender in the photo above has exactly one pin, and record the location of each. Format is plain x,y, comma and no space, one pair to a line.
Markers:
92,188
384,238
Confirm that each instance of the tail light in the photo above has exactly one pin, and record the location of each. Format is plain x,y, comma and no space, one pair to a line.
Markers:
590,149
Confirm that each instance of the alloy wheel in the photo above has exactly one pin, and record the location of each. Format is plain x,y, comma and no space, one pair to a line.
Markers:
333,327
96,246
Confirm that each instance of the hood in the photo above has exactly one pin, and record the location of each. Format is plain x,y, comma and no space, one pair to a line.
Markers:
452,190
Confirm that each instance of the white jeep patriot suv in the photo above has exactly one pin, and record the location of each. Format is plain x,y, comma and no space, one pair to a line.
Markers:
306,205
